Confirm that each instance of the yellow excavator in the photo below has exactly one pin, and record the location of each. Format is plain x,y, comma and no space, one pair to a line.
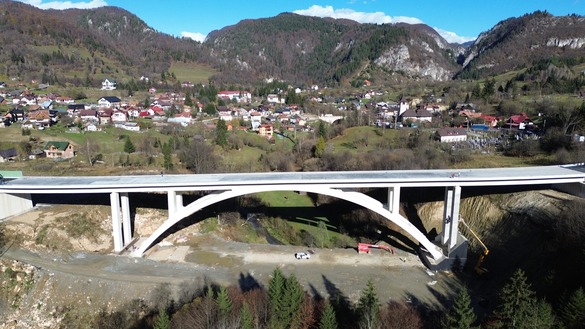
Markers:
478,268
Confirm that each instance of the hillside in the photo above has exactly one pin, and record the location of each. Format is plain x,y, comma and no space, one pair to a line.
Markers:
307,49
82,47
523,41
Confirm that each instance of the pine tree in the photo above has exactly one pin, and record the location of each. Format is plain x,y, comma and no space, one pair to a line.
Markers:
129,146
276,287
162,320
322,131
246,317
328,320
540,315
167,156
221,134
368,308
572,312
223,301
519,303
292,301
188,100
320,147
461,315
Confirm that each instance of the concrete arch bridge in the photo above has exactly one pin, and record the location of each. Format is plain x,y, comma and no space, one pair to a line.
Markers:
15,195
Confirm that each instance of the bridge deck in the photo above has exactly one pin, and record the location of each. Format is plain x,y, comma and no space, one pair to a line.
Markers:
339,179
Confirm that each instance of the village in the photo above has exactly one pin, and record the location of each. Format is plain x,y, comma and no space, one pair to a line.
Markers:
32,110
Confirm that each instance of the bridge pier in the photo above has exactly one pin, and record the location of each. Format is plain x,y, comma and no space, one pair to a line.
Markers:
451,216
454,244
121,225
394,199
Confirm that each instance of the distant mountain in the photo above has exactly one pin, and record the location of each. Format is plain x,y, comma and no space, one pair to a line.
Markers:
524,41
81,47
303,49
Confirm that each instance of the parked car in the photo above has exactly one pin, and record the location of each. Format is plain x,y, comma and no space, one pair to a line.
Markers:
302,255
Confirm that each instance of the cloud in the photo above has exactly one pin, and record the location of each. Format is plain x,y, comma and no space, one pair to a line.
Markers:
452,37
377,17
374,18
194,35
66,4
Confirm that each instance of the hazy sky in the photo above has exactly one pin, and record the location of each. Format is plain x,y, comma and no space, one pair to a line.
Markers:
455,20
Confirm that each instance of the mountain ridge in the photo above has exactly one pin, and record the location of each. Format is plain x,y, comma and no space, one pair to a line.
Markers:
81,46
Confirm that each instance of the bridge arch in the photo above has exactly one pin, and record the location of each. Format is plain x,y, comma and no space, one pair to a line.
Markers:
179,212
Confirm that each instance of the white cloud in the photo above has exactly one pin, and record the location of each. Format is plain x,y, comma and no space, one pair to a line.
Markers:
194,35
66,4
374,18
452,37
377,17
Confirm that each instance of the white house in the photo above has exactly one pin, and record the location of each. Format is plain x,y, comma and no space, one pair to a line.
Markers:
273,98
418,115
131,126
239,96
119,116
108,84
109,101
451,135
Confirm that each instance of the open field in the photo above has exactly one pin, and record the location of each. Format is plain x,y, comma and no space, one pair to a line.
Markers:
192,72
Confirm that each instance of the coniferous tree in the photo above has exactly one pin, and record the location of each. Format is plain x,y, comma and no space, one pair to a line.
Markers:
167,156
520,308
322,130
461,315
368,308
328,320
188,100
162,320
129,146
572,312
224,304
320,147
247,320
540,316
293,300
221,134
276,287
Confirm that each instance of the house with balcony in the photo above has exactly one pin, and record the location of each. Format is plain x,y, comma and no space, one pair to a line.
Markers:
59,150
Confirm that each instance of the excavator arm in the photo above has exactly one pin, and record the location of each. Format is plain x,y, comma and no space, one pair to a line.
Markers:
478,268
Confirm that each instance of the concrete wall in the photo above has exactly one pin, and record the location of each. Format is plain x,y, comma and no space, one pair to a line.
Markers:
576,189
14,204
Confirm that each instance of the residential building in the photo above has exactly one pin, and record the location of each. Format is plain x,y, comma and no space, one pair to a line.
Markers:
59,150
265,130
451,135
109,101
109,84
8,155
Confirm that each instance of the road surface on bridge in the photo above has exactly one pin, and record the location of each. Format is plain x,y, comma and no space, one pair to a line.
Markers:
338,179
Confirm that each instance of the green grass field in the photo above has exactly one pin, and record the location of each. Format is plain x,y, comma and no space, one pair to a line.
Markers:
192,72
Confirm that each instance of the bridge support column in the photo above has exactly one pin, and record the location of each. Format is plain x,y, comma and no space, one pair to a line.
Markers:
126,225
121,226
116,222
175,202
394,199
451,216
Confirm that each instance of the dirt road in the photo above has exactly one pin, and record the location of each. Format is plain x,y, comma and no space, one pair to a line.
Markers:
328,272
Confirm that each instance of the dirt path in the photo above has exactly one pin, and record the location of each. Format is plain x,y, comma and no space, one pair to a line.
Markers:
92,279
